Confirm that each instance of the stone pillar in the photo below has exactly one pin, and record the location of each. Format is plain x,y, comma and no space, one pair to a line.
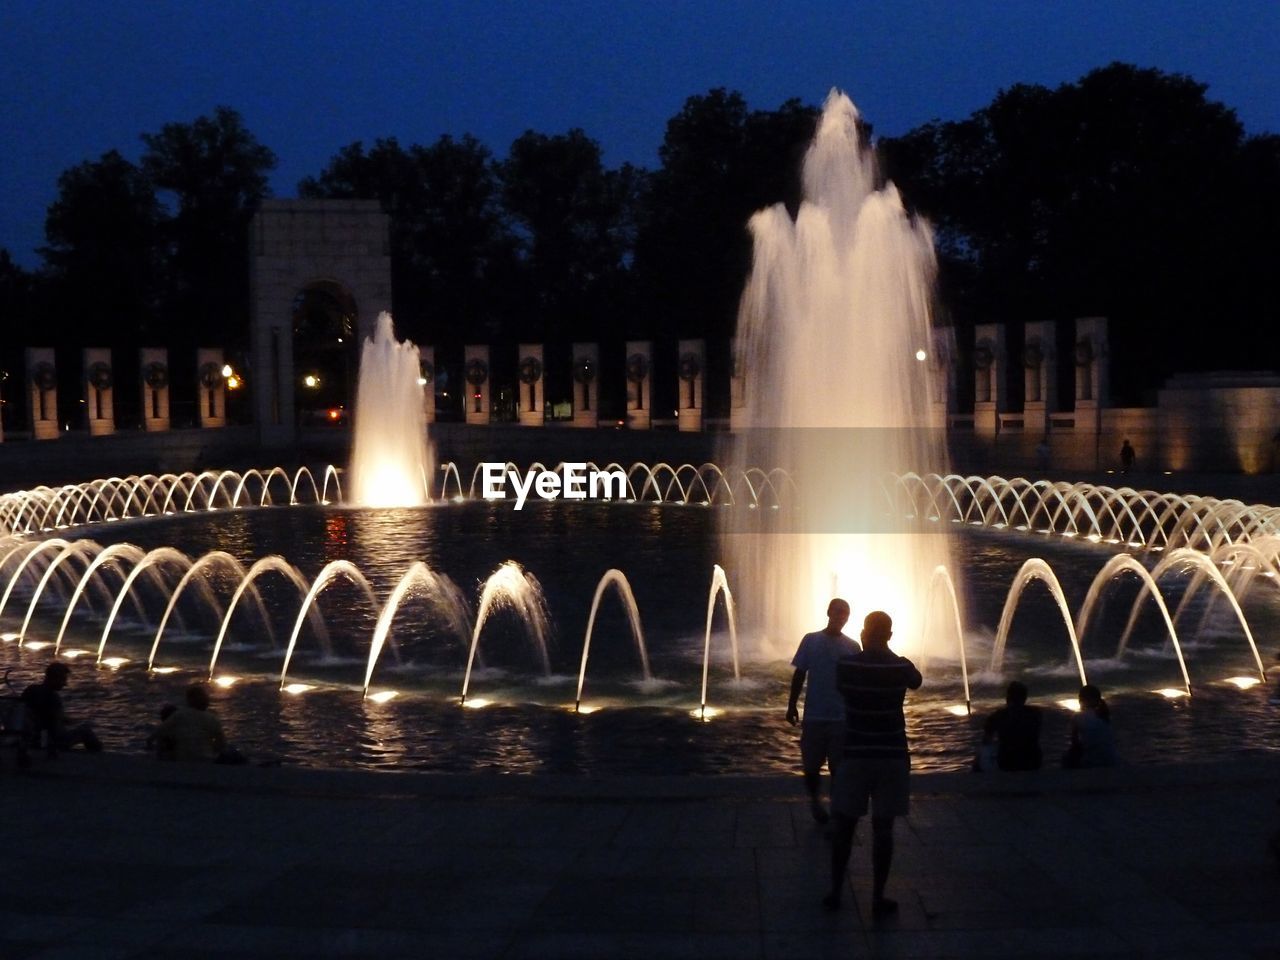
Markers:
98,380
586,385
1040,376
476,373
1093,379
639,384
42,393
427,369
739,410
692,371
988,378
530,398
211,388
942,376
154,364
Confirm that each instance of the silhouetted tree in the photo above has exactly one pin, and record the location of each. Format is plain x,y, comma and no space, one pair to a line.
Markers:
103,251
1127,194
720,164
213,173
575,225
451,251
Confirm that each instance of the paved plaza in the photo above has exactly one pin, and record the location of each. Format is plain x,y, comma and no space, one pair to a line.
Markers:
116,856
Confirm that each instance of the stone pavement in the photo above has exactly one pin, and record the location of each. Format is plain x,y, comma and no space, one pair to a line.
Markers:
114,856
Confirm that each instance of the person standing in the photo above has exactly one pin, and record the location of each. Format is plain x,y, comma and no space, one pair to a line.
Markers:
1127,456
822,732
875,770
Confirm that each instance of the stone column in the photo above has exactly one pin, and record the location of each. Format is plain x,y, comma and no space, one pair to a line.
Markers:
427,368
988,378
42,393
586,385
1093,380
692,371
1040,376
154,364
476,373
639,384
530,398
739,410
211,388
942,376
99,391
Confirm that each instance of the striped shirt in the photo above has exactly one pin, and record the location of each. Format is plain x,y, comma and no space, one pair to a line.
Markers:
874,683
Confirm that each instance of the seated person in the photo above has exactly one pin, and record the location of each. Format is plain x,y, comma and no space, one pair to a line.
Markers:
1092,744
1015,728
45,718
191,732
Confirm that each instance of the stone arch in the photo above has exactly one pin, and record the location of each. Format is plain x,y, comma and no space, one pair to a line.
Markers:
321,246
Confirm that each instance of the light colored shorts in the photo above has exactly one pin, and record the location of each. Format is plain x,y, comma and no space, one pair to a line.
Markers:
885,783
821,741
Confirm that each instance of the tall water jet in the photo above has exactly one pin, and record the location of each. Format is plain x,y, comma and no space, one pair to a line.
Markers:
832,325
391,460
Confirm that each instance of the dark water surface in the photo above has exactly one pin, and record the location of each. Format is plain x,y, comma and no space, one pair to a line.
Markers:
667,553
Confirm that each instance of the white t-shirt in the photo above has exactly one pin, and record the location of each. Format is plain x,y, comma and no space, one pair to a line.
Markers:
817,656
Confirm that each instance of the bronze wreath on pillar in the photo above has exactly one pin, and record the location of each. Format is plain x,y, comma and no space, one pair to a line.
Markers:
637,367
210,374
530,370
1032,355
99,375
983,355
156,375
584,370
477,371
1084,352
690,367
44,376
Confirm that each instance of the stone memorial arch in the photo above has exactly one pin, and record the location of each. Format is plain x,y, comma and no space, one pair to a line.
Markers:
332,253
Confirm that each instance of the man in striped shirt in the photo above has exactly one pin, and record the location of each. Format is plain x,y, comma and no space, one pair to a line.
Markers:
876,764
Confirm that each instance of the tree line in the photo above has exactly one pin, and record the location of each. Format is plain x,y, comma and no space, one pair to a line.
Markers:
1127,193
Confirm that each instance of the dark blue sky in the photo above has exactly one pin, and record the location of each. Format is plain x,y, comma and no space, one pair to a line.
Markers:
80,78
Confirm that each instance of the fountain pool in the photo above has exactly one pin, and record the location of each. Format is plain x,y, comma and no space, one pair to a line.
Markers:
640,700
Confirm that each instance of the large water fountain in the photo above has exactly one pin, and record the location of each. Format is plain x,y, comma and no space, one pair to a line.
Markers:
834,314
347,617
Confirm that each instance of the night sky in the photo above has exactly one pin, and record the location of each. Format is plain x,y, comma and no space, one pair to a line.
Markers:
80,78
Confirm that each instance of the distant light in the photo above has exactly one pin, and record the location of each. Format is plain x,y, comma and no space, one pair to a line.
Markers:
297,688
958,710
1244,683
37,644
1168,473
311,380
114,663
921,356
1071,703
476,703
335,413
1171,693
233,382
382,696
226,370
225,681
339,339
422,381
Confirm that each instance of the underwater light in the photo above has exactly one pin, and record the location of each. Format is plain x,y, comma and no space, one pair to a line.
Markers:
226,681
297,688
1244,683
382,696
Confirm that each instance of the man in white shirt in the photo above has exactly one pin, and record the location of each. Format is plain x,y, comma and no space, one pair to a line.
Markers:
822,732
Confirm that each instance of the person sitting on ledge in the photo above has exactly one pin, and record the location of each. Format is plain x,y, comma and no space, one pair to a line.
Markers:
1015,729
1092,743
48,721
192,732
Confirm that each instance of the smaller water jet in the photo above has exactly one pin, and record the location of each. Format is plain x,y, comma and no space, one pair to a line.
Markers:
391,459
617,579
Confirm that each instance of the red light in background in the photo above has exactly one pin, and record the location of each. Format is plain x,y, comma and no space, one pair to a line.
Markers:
334,413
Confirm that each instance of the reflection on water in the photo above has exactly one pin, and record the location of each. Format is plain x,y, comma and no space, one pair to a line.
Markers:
667,555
